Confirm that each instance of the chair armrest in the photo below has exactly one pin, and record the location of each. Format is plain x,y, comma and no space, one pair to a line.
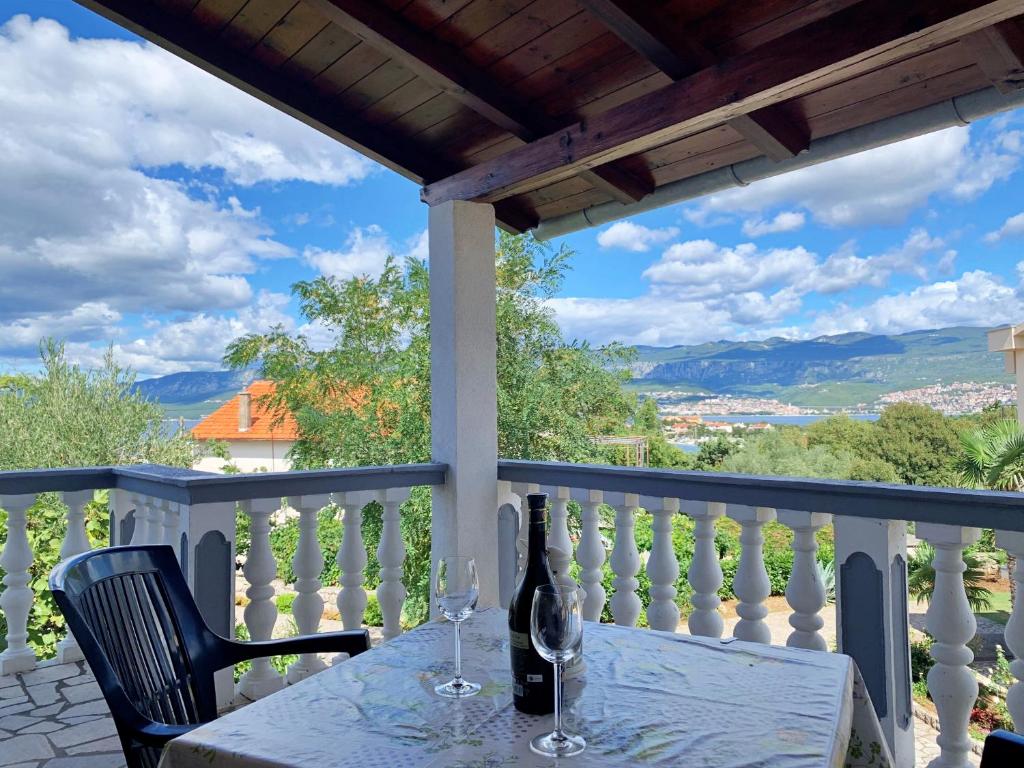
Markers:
351,641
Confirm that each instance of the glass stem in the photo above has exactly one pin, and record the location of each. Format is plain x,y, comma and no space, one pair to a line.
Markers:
458,654
559,736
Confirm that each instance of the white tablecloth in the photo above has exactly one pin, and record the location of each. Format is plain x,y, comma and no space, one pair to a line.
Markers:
645,698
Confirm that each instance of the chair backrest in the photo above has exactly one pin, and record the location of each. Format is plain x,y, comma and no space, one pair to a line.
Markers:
1003,750
141,632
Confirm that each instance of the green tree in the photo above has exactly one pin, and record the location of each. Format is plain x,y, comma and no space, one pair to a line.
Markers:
919,442
67,416
365,399
782,452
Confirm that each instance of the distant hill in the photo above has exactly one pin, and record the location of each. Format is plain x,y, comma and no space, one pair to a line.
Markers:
192,394
837,370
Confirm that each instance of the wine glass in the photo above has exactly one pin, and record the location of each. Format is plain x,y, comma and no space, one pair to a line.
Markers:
457,589
556,628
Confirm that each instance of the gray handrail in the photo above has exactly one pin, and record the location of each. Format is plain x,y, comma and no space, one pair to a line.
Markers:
951,506
188,486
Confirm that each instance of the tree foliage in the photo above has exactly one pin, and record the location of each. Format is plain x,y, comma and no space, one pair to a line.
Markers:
70,417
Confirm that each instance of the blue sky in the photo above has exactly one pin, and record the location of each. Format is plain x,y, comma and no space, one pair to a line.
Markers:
149,206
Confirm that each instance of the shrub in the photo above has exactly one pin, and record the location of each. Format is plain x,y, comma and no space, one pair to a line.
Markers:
285,602
373,616
920,659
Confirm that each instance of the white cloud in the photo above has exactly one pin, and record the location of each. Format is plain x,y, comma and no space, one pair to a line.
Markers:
785,221
20,337
877,187
365,253
1012,227
634,237
844,270
976,298
120,103
193,344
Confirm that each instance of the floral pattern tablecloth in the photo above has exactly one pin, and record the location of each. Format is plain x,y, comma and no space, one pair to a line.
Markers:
644,699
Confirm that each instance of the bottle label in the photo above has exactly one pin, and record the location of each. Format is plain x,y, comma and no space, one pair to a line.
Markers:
535,678
520,640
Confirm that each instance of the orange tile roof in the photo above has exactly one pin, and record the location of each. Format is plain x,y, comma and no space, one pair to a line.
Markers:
222,424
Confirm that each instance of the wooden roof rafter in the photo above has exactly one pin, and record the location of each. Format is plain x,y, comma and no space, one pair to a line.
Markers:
443,67
865,36
999,51
679,54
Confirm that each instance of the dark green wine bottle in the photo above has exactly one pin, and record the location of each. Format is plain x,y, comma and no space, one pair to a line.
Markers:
533,678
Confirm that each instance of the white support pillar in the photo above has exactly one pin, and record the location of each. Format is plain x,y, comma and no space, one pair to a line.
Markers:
871,619
17,597
662,565
308,564
751,583
705,572
391,555
591,554
464,421
625,560
805,590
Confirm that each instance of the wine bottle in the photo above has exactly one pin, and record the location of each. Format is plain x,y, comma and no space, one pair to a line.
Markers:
533,679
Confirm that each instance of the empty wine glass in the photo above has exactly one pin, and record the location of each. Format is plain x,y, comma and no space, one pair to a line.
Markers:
457,589
556,627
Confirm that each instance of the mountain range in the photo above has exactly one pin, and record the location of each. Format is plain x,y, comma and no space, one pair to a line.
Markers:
841,370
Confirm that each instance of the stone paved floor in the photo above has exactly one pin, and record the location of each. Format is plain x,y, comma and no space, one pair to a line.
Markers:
55,717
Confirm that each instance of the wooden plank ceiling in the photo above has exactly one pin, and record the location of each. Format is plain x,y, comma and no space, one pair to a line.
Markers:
547,107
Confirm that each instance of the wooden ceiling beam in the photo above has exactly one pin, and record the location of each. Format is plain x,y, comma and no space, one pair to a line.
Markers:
177,35
850,42
679,54
445,68
999,52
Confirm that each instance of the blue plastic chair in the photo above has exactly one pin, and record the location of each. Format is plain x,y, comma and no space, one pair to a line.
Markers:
1003,750
152,653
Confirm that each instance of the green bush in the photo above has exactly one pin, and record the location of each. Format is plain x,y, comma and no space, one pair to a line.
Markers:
285,602
373,616
920,659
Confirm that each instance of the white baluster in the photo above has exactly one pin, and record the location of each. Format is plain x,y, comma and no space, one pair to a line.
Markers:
260,569
950,622
351,560
558,534
308,564
1013,543
523,540
140,535
662,565
16,599
751,583
625,562
590,554
705,574
76,541
391,556
170,514
805,591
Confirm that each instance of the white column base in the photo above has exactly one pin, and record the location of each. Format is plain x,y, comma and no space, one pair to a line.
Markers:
13,662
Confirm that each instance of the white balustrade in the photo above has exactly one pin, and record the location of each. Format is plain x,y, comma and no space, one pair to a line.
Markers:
140,534
391,592
261,613
16,599
751,583
1013,543
950,621
523,540
625,562
308,564
559,543
171,520
662,565
705,574
76,541
351,560
805,591
590,554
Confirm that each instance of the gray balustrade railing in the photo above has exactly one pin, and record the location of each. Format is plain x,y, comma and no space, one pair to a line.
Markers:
871,570
195,512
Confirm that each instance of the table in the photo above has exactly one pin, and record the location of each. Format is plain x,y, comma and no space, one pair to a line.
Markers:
645,698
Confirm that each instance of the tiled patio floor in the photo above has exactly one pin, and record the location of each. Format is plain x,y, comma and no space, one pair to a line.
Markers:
55,717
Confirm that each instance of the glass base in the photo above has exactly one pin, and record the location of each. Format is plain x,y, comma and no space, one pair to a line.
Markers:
549,745
457,689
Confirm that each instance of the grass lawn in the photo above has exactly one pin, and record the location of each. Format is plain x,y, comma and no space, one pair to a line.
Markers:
1000,610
